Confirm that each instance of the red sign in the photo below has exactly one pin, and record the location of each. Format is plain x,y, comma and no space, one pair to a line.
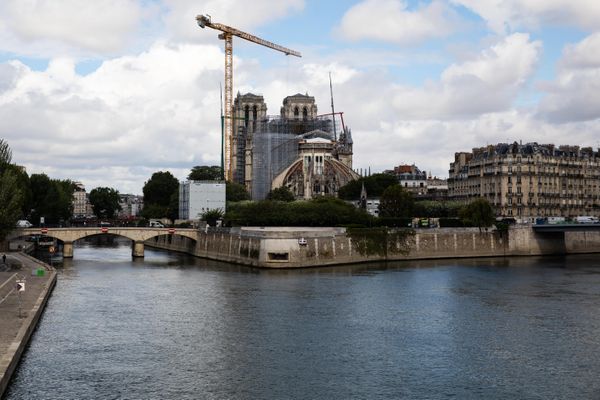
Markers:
104,230
171,231
44,230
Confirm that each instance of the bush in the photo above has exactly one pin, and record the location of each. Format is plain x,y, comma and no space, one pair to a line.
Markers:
393,222
451,223
323,211
212,216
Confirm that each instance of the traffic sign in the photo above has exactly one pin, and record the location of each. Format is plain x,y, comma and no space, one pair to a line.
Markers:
44,230
51,249
104,230
171,231
20,286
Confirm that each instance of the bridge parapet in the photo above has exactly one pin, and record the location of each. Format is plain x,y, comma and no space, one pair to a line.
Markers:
137,235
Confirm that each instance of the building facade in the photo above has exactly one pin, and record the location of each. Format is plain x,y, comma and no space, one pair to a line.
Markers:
274,151
82,208
419,183
198,197
131,206
526,181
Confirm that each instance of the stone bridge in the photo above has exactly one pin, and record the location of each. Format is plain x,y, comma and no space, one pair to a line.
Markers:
137,235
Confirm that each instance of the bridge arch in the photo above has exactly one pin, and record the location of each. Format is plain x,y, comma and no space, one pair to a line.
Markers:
137,235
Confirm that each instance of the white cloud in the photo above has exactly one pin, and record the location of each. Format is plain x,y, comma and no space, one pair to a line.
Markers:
487,83
181,16
510,15
155,110
392,21
45,27
431,144
575,94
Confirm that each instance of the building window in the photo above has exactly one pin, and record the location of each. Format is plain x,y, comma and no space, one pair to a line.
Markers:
296,112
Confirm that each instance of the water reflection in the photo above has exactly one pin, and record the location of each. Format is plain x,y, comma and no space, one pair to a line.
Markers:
174,327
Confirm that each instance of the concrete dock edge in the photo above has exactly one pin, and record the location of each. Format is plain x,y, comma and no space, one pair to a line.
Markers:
11,359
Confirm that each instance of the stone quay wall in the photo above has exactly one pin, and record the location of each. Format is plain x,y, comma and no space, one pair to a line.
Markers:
280,247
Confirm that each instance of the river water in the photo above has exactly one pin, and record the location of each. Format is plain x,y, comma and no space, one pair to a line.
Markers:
176,327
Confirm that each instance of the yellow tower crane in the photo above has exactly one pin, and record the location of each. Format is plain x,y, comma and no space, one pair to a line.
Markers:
227,36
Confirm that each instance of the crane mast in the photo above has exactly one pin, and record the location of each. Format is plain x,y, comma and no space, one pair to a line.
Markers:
227,36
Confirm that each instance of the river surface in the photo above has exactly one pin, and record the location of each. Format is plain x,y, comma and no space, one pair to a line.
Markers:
176,327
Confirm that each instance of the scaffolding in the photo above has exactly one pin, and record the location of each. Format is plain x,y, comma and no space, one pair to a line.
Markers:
275,147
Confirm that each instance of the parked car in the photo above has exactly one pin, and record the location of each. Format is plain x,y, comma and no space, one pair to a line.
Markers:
155,224
23,223
586,220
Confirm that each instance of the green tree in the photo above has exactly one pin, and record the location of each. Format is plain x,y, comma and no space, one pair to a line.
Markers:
281,194
105,202
374,185
173,209
11,195
479,213
205,173
159,194
396,202
154,211
437,209
235,192
25,188
5,153
14,187
51,199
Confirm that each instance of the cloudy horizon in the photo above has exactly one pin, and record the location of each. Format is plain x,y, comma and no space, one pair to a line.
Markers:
110,91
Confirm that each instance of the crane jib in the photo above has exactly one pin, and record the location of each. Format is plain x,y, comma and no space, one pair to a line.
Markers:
252,38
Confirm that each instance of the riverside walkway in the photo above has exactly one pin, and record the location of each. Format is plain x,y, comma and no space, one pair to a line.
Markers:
20,311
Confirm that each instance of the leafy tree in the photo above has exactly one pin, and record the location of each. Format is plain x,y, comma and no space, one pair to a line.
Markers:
11,194
21,177
105,202
437,209
374,185
159,194
25,188
151,211
281,194
159,188
478,213
173,209
11,200
51,199
396,202
5,154
236,192
205,173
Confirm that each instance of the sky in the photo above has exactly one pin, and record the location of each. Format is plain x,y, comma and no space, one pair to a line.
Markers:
107,92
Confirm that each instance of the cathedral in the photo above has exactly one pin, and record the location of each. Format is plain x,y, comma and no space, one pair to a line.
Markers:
310,154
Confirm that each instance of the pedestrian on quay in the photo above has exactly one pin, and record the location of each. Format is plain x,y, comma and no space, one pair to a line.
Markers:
4,259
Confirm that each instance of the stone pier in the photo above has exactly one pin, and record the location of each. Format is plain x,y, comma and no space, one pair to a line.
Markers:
68,250
137,249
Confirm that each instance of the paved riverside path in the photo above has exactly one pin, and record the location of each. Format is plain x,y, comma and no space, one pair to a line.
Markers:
15,329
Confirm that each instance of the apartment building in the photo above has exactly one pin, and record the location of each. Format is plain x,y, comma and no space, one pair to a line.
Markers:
530,180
